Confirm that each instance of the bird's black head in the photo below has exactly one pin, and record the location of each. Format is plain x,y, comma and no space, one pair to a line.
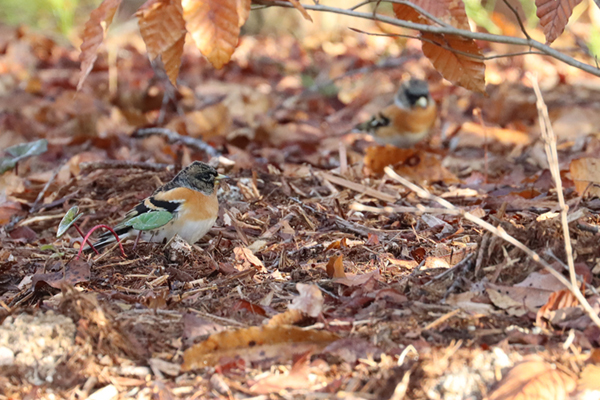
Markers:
197,176
414,92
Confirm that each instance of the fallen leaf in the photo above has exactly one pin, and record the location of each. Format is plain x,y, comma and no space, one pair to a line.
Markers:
585,172
533,379
244,256
335,267
298,378
75,272
254,343
310,301
357,280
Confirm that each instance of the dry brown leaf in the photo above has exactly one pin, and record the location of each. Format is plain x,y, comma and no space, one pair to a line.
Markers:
310,301
298,378
289,317
163,29
456,58
243,11
449,11
214,26
585,172
335,267
589,379
533,379
529,297
358,280
452,56
287,340
302,10
554,16
558,300
475,135
418,166
210,122
172,60
244,256
161,25
93,35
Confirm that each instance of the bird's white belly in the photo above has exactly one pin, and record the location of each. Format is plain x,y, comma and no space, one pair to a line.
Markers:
190,231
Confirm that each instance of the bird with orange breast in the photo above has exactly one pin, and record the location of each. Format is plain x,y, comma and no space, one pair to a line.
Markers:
408,120
190,198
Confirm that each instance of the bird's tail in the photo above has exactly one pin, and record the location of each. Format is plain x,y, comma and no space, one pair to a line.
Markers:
107,238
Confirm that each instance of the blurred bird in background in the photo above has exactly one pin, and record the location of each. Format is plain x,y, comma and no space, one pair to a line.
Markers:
408,120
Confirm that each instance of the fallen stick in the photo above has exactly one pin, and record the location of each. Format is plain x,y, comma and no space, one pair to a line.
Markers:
174,137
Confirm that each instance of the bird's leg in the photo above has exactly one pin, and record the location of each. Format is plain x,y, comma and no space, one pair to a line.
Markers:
137,239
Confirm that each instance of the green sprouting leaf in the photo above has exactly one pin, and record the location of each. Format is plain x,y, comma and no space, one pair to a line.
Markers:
150,220
47,247
68,220
22,150
6,164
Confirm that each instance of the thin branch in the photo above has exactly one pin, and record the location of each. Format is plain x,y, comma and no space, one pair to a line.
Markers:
174,137
121,164
498,231
448,30
516,13
443,46
552,154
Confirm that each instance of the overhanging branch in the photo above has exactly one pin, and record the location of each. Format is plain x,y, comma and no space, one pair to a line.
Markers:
447,30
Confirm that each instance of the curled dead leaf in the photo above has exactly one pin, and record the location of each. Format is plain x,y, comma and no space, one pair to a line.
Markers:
93,35
335,267
254,343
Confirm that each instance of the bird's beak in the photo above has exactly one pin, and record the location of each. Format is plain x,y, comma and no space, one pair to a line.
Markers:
422,102
221,176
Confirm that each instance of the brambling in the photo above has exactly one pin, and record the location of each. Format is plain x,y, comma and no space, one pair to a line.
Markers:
408,120
191,198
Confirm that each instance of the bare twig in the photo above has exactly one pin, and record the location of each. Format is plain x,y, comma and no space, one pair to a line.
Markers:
448,30
174,137
500,232
35,206
445,47
552,155
519,20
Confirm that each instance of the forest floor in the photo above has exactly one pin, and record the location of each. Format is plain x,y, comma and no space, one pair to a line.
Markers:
306,287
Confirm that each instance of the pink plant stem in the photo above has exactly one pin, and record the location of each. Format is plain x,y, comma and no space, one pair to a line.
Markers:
83,236
85,239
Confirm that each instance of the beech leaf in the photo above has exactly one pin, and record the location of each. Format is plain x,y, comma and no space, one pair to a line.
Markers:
93,35
554,16
163,29
214,26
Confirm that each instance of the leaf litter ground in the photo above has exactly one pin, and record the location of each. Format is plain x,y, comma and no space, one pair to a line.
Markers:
294,293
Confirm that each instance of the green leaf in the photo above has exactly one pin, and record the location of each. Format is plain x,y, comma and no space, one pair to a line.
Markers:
150,220
48,247
28,149
6,164
68,220
22,151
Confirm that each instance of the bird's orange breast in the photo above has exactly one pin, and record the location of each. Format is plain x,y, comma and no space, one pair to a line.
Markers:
196,206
